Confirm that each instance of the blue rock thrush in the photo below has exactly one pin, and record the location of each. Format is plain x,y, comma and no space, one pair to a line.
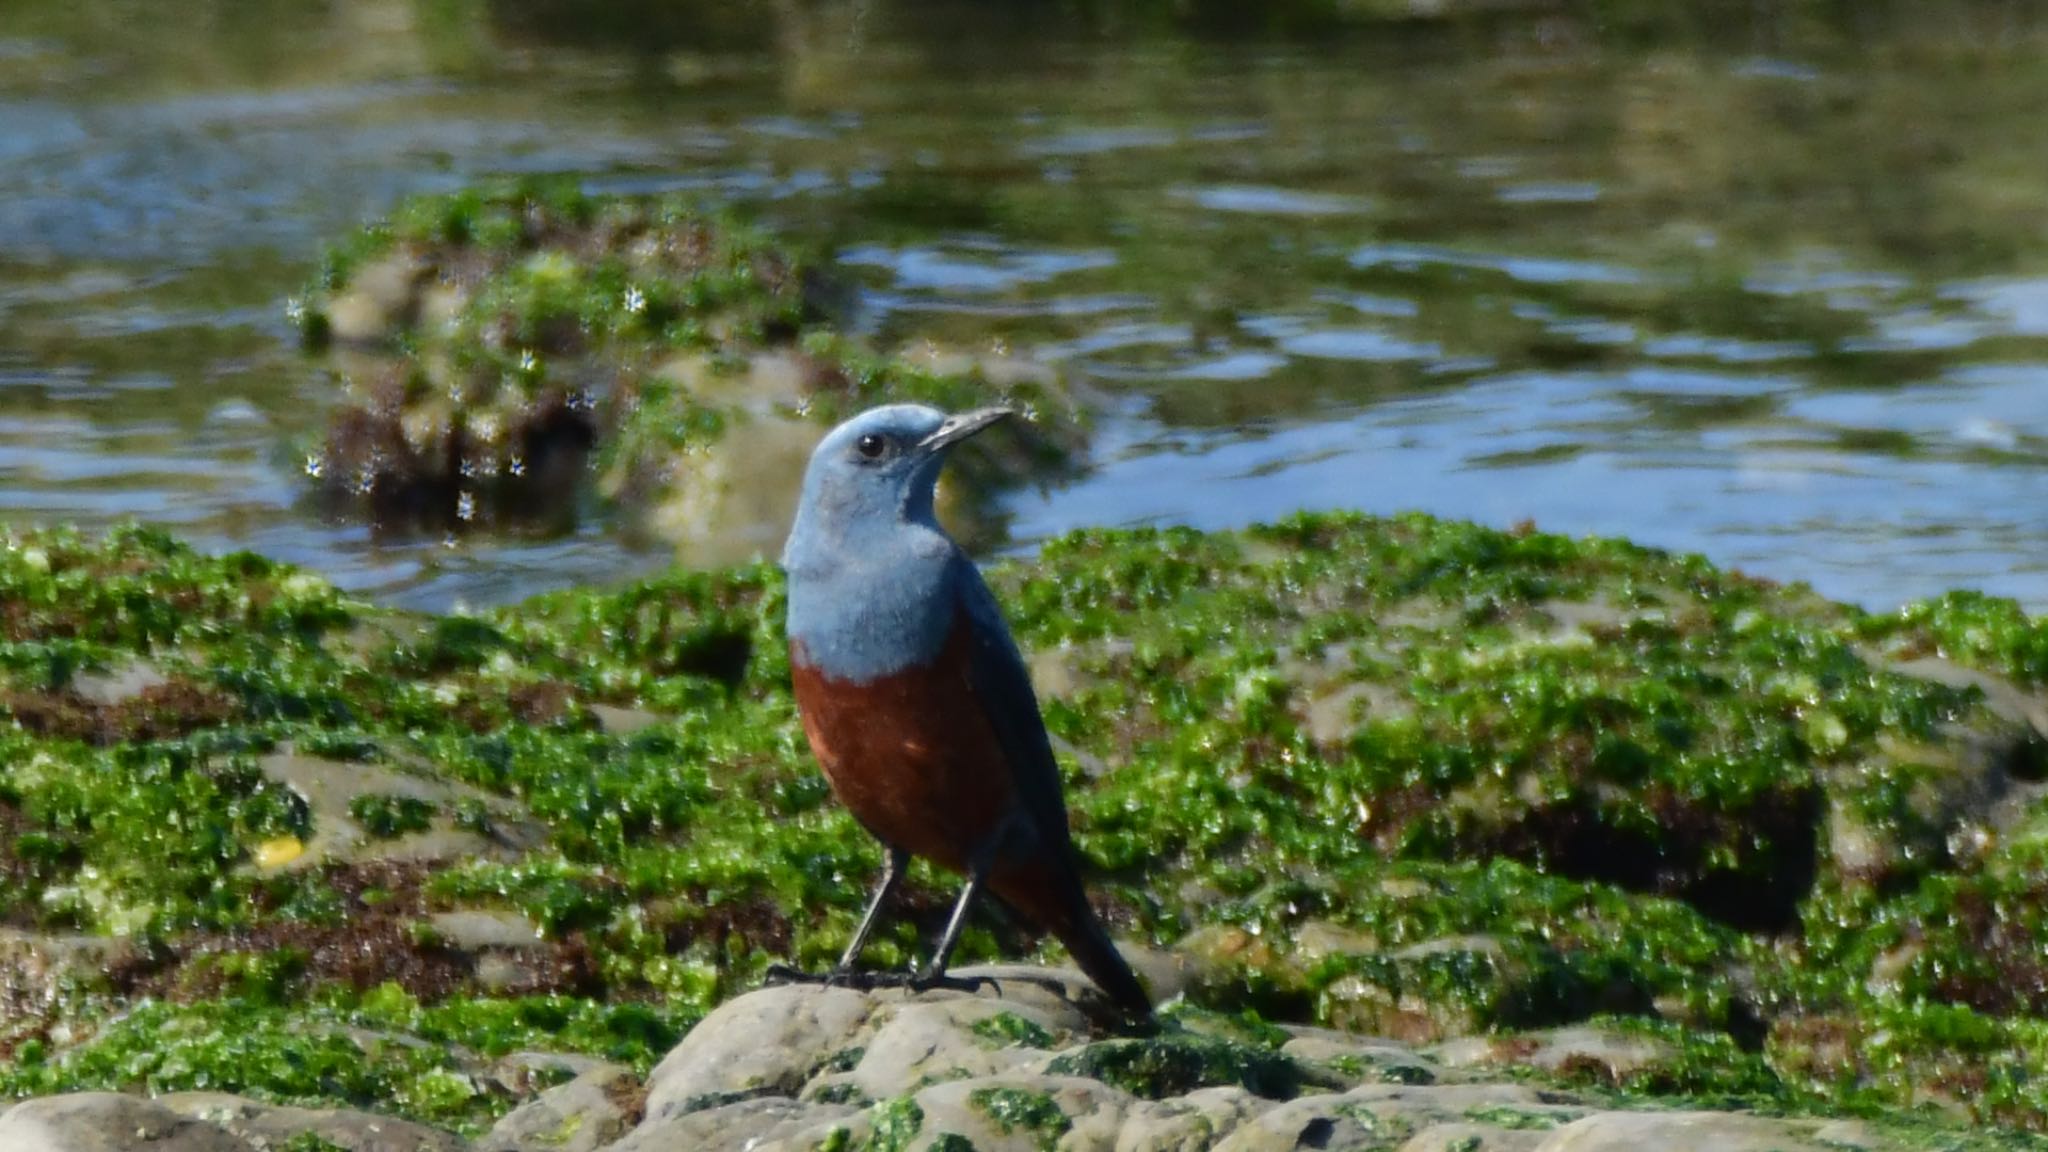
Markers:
915,700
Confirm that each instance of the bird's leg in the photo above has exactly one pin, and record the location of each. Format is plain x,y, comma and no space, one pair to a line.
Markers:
893,865
978,869
894,861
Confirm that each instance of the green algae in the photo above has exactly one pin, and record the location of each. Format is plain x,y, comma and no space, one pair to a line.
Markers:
1570,781
896,1122
1159,1067
1023,1110
388,817
1007,1029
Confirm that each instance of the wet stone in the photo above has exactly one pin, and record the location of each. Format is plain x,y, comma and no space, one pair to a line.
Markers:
749,1125
914,1043
118,685
588,1113
1686,1132
330,787
1472,1138
109,1122
1616,1054
1025,1113
766,1043
266,1126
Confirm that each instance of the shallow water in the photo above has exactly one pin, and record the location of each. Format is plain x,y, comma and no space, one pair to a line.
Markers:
1769,287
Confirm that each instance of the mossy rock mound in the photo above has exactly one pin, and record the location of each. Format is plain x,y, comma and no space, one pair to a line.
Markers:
499,345
1400,776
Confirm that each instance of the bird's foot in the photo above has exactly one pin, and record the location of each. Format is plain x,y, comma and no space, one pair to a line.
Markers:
860,981
925,982
790,974
853,978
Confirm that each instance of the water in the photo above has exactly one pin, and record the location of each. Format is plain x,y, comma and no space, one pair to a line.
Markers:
1772,286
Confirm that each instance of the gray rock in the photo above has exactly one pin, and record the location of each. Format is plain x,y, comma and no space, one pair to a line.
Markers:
38,972
1684,1132
623,721
382,299
506,946
587,1113
1472,1138
912,1044
745,1126
1619,1054
1093,1113
269,1125
328,787
1391,1115
476,930
765,1043
108,1122
1420,1106
1310,1122
1360,1059
118,685
1188,1123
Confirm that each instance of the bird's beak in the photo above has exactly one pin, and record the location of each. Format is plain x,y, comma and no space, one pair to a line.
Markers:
960,427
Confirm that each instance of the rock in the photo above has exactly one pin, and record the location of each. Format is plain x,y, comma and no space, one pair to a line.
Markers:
507,947
1195,1120
1402,1011
1360,1059
749,1125
382,300
329,787
915,1043
2007,700
266,1126
1615,1055
1401,1110
1334,715
1684,1132
529,1072
1025,1113
1387,1115
477,930
1472,1138
38,971
587,1113
118,685
1166,974
765,1043
108,1122
623,721
1311,1122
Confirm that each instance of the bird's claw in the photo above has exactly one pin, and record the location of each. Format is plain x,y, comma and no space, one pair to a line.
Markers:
860,981
790,974
852,978
937,980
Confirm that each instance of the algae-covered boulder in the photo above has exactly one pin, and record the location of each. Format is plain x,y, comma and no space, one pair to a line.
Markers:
509,354
1612,819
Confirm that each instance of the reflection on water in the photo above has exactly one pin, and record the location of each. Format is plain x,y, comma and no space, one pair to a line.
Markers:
1772,286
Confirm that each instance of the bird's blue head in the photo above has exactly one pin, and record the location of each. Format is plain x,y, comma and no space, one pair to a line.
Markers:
875,473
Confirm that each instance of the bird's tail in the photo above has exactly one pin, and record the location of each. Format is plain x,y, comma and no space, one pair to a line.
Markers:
1059,904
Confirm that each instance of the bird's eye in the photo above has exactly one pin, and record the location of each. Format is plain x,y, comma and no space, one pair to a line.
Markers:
872,446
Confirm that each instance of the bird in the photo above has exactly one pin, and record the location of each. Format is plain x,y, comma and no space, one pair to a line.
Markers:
916,702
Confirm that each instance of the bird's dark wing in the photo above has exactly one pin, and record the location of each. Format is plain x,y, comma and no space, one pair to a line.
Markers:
1002,686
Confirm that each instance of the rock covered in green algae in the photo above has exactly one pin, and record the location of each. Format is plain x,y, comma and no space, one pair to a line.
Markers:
1552,766
499,344
813,1069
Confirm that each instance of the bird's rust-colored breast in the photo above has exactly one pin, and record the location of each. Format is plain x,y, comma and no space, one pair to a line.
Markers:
910,754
